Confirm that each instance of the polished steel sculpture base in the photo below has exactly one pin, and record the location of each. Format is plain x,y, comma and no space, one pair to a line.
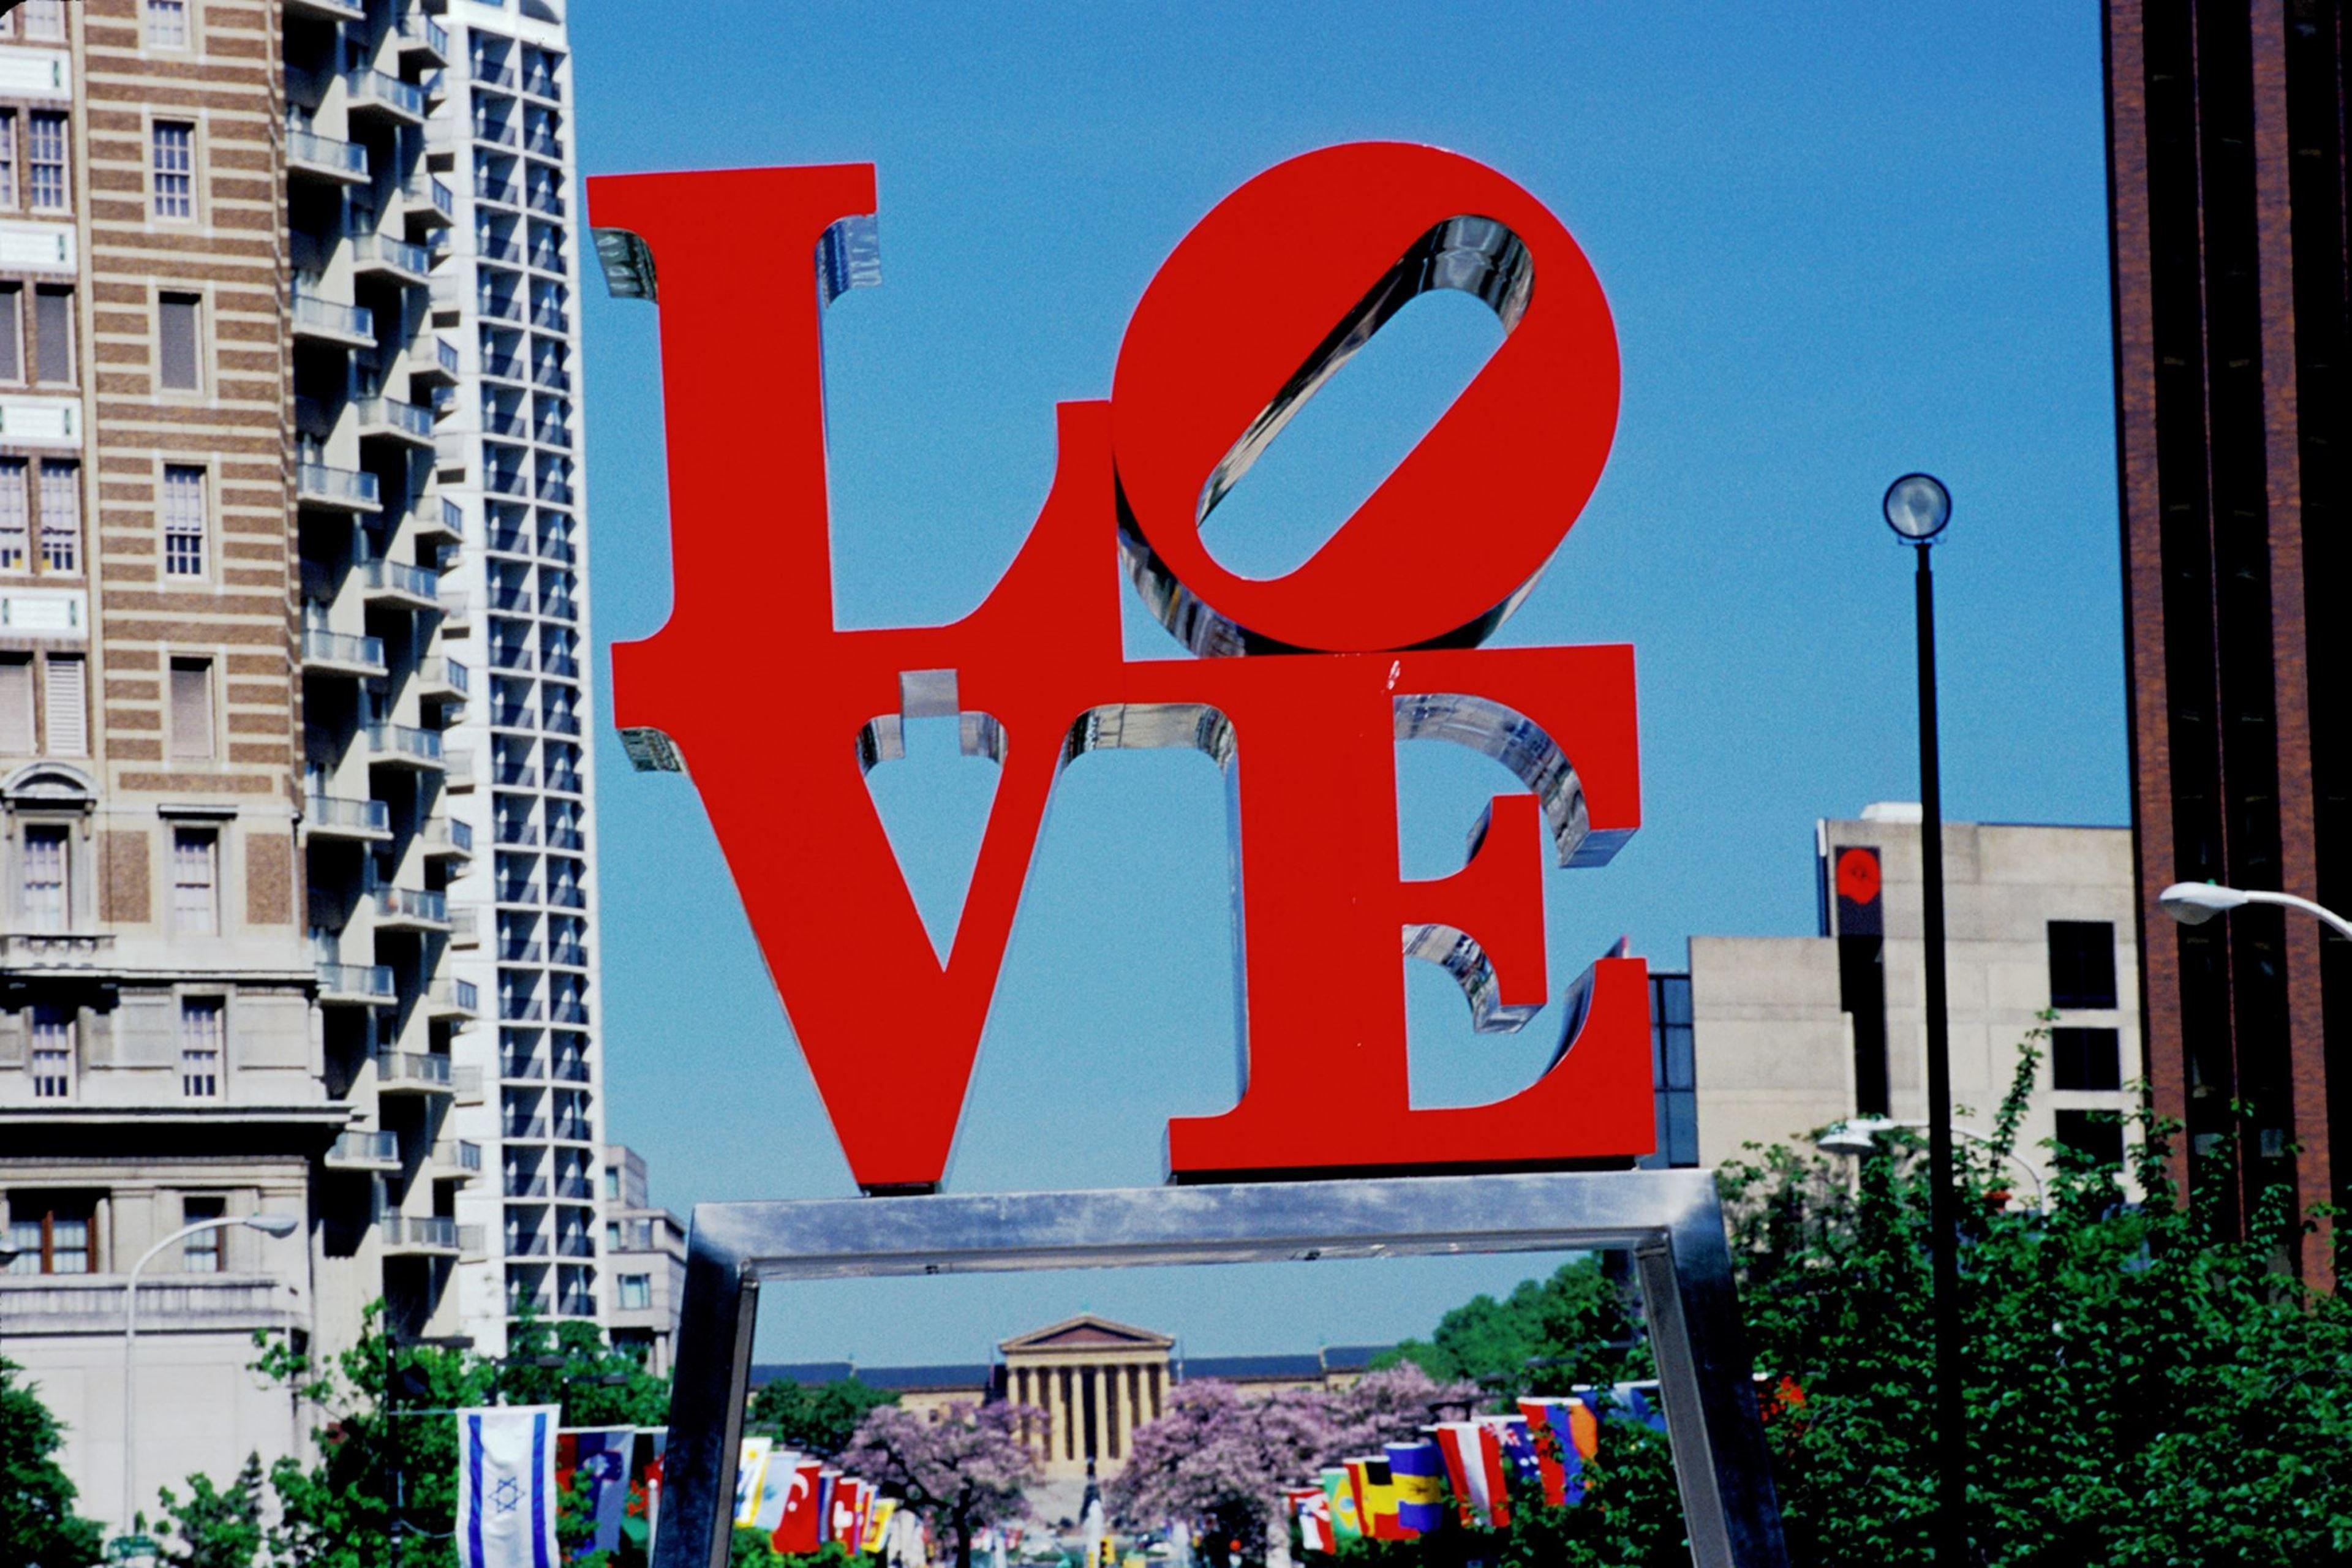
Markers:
1670,1220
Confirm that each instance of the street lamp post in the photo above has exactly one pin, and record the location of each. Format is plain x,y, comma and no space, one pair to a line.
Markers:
2194,903
278,1225
1917,508
1860,1135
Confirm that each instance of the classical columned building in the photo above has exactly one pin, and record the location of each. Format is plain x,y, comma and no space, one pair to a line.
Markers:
1096,1381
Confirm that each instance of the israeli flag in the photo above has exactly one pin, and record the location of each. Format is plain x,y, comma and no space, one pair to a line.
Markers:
505,1487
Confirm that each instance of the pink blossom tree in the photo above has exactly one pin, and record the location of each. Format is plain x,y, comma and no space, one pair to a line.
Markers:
1222,1459
963,1470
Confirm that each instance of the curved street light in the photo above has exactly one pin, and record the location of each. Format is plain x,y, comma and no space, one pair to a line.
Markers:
277,1224
1860,1135
2194,903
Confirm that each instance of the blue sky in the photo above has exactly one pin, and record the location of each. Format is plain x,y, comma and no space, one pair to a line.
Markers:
1840,243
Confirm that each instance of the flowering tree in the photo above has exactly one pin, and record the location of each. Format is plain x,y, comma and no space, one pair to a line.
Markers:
1218,1456
963,1472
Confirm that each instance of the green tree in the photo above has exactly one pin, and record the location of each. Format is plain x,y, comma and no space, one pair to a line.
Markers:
570,1364
389,1448
816,1418
39,1528
216,1528
2141,1388
1578,1326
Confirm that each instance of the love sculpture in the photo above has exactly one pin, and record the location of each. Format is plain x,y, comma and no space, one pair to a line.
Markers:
1298,686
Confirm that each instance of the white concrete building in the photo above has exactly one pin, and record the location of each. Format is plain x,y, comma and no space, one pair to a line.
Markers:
1790,1033
509,457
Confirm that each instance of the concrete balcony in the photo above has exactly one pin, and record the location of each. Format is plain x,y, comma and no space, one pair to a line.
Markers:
412,1072
417,1235
446,520
446,839
340,653
431,360
373,92
445,680
332,321
455,1159
339,816
362,1149
459,769
395,258
422,38
390,419
454,998
412,909
356,985
33,952
465,929
312,156
395,584
428,201
336,490
457,610
404,746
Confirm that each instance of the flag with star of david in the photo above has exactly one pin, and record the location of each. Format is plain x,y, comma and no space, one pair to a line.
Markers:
505,1487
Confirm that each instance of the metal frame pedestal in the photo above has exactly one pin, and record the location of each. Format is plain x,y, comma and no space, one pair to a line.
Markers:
1670,1220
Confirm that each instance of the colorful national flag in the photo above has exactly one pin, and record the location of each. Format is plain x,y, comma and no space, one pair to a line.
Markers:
800,1497
505,1485
877,1523
1554,1451
841,1515
600,1456
1314,1513
1417,1471
1376,1497
641,1524
1473,1463
1345,1523
751,1479
1518,1445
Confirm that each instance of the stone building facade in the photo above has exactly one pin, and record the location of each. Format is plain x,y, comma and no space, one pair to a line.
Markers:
1791,1034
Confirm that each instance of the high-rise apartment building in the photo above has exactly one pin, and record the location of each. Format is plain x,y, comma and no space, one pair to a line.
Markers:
257,748
2226,173
510,460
